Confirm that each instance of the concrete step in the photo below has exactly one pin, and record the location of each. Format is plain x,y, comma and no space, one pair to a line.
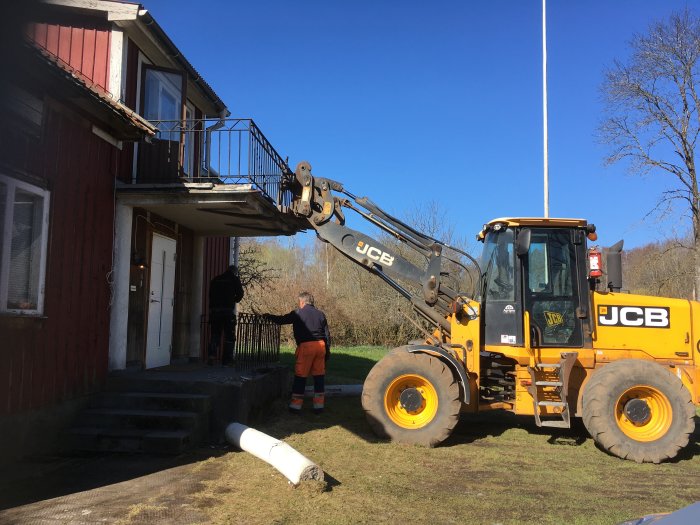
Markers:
154,401
171,383
234,396
97,439
134,418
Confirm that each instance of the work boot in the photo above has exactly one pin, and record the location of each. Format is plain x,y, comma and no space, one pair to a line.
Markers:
296,403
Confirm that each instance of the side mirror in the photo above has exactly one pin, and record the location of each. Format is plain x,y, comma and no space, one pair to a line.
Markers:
522,244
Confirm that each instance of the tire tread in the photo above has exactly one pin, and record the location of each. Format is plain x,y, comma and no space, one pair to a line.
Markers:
599,419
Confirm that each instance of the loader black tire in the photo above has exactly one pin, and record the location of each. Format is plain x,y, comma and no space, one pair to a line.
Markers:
423,383
658,423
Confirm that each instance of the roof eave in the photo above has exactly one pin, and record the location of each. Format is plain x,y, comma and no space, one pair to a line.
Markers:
148,23
124,123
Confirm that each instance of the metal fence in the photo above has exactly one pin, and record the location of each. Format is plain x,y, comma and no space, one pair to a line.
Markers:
226,151
257,341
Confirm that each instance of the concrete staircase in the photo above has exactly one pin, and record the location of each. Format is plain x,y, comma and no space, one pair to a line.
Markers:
169,411
149,422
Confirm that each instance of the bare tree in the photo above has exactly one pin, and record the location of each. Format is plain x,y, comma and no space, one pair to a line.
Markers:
254,270
653,112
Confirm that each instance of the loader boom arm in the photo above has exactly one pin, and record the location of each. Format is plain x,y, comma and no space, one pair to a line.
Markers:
428,293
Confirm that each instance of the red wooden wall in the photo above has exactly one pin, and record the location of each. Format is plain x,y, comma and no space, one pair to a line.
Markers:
81,42
64,353
216,260
216,257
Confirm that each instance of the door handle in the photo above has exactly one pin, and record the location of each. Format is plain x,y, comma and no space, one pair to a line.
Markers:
155,301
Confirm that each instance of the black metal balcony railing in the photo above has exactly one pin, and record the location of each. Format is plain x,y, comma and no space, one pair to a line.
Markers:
226,151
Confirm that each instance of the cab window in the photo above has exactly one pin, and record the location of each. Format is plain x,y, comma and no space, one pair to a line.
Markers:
551,294
498,262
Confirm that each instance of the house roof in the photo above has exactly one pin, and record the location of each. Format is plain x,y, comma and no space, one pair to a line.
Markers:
125,14
122,121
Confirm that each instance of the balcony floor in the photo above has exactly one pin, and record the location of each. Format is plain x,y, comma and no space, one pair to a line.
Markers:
237,210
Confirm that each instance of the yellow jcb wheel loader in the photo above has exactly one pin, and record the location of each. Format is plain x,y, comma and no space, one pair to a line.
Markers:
534,336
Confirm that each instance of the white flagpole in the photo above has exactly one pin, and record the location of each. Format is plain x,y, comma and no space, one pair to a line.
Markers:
544,106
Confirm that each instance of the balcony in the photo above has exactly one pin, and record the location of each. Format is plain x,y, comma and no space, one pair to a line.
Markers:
224,177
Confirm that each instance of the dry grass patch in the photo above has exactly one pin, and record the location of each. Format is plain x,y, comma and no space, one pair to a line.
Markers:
496,468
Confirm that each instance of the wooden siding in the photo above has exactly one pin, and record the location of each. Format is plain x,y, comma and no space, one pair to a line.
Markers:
81,42
216,260
183,294
216,257
62,355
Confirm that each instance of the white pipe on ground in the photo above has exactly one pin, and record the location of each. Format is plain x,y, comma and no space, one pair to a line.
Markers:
295,467
337,390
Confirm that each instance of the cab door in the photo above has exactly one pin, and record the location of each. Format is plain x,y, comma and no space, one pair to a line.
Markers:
551,288
502,314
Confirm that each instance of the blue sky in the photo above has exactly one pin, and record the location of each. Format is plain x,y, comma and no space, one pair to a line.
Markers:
411,101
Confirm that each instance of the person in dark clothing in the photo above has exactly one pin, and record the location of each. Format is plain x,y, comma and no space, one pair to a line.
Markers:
225,291
313,340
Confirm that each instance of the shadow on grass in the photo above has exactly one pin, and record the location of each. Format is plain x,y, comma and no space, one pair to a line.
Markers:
41,478
692,450
474,427
331,482
687,453
348,413
344,368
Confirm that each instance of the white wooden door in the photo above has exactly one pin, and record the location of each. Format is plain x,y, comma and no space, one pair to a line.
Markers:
161,302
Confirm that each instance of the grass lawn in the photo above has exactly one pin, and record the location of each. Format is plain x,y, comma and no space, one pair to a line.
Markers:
496,468
346,365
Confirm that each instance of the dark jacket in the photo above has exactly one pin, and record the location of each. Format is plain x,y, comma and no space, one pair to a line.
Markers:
225,290
308,323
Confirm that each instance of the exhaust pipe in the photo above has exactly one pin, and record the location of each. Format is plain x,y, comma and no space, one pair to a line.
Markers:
613,263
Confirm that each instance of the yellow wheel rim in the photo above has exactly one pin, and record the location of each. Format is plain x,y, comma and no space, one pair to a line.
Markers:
427,406
651,422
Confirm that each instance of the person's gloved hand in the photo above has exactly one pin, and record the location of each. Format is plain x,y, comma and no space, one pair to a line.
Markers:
328,354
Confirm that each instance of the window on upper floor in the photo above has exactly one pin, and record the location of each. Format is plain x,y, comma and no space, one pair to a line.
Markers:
163,100
23,243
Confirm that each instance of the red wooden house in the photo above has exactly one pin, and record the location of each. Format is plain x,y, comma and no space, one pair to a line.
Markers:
122,181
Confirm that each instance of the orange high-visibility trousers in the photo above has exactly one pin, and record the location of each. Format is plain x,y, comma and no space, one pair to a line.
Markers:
310,359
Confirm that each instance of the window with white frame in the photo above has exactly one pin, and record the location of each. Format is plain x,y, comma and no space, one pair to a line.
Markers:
163,101
24,215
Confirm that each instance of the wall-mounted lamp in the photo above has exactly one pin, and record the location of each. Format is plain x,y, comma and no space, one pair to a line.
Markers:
139,261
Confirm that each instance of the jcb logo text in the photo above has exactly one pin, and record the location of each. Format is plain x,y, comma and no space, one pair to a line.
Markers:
641,316
374,253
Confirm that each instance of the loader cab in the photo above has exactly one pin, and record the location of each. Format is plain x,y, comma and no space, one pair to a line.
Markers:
536,267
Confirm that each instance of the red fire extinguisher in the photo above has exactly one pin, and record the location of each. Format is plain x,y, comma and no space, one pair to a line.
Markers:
595,263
